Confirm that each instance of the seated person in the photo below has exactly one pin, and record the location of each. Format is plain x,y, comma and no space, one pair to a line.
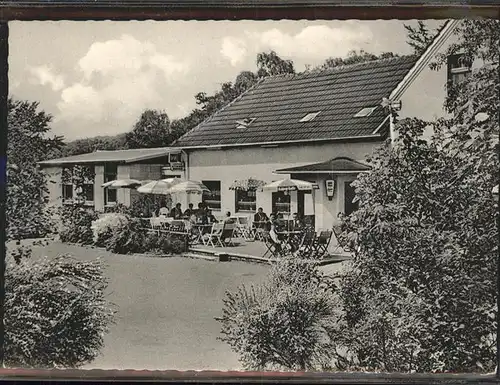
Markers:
273,226
297,223
176,212
228,218
163,211
210,217
189,211
260,218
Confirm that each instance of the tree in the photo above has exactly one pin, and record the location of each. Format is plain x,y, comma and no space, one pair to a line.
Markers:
426,225
353,57
86,145
270,64
151,130
419,37
29,142
283,323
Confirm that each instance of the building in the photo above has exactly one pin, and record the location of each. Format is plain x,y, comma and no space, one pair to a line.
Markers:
318,127
141,164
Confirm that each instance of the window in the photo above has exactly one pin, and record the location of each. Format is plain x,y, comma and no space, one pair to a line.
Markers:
88,192
67,184
246,200
458,69
213,198
67,192
367,111
309,117
281,203
110,172
244,123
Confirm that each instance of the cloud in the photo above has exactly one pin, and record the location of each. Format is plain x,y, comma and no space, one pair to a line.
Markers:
44,75
315,42
119,79
234,50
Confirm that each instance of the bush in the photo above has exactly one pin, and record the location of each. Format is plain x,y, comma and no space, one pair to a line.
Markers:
76,224
283,323
126,237
164,243
103,227
55,312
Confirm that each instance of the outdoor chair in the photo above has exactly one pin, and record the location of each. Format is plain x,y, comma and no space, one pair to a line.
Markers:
243,229
219,234
342,243
321,243
273,248
214,237
306,246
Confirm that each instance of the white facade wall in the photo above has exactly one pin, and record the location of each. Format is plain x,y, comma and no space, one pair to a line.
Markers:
228,165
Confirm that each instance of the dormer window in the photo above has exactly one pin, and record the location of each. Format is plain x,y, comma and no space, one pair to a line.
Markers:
309,116
244,123
367,111
458,68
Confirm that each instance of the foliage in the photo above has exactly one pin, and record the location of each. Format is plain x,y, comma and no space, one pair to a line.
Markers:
28,142
55,312
126,236
426,225
87,145
103,227
284,323
419,37
76,222
353,57
163,243
151,130
143,205
270,64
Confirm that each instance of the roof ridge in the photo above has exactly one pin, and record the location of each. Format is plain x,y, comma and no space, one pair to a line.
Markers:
341,67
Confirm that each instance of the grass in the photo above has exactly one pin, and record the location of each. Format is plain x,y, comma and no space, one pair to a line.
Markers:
166,309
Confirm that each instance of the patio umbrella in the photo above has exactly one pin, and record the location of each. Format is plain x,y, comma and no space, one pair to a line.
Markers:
160,187
249,184
122,183
290,185
189,186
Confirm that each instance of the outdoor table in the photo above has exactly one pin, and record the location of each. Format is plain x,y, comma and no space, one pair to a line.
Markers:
200,229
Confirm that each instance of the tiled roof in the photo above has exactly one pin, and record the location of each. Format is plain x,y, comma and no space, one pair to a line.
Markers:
279,103
117,156
340,164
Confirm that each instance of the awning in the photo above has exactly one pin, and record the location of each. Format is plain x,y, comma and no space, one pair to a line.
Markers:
339,165
249,184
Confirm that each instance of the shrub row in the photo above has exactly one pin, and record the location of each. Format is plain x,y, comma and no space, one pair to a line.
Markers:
118,232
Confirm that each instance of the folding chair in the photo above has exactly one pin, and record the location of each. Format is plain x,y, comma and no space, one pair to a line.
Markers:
243,229
342,243
320,246
214,235
272,247
307,245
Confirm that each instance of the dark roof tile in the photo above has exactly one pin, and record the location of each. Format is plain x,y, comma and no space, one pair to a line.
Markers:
278,103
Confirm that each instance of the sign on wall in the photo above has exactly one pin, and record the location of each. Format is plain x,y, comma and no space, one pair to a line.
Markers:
330,188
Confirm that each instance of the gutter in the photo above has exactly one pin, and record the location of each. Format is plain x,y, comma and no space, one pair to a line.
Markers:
276,143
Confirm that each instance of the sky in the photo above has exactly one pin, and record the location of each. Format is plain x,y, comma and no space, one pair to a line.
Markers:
96,77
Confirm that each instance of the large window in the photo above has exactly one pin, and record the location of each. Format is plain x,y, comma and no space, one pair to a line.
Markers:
458,69
110,173
281,203
246,200
213,198
67,185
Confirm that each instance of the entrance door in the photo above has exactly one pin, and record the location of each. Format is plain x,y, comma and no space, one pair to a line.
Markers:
349,195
